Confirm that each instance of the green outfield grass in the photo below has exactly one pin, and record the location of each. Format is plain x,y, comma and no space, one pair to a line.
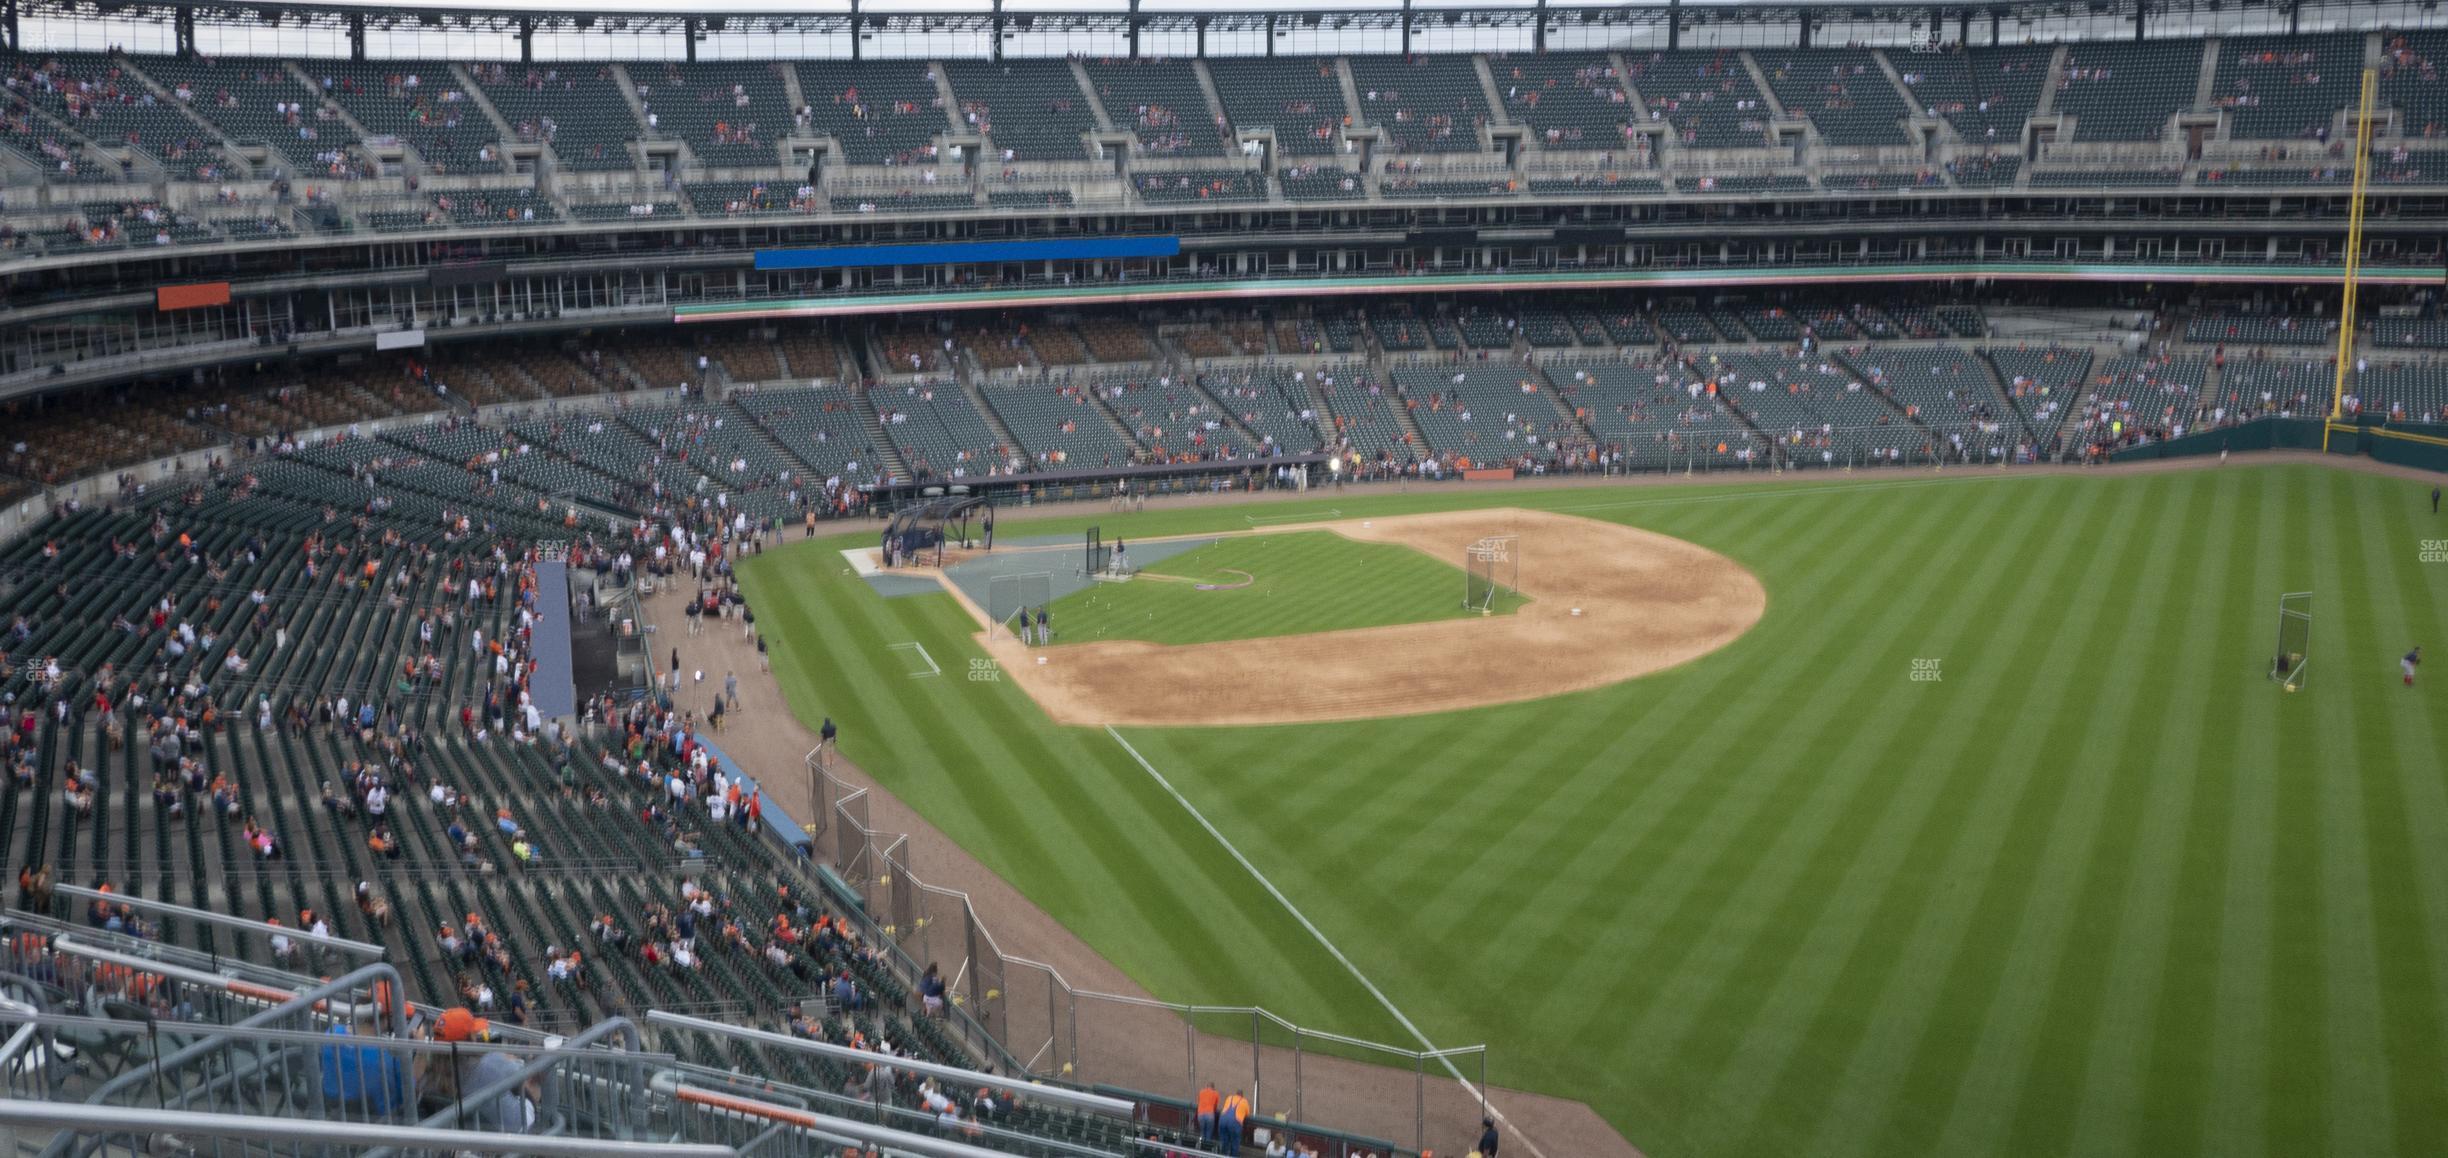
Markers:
1300,582
2097,889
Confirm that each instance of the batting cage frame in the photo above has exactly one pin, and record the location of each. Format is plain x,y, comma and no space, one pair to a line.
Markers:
1007,596
2294,651
1490,565
1098,556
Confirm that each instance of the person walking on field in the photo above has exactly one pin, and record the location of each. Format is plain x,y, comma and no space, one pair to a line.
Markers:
2435,500
1207,1101
2412,660
1488,1139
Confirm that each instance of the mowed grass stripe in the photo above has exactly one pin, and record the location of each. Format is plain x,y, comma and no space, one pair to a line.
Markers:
1894,790
2296,1096
1843,1090
1751,939
2409,873
2360,1117
2240,1039
1795,953
2173,1094
2019,956
2132,1000
2115,849
1700,850
1923,1025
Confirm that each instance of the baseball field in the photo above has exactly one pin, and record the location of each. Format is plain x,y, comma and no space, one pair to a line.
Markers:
1983,831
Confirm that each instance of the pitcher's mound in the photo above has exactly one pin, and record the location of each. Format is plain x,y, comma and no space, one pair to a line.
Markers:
1646,601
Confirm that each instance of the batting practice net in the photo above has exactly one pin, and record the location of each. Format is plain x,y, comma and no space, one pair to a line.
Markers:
1098,556
2294,651
1490,566
1010,596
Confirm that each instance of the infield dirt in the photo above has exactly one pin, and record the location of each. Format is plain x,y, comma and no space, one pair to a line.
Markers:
1645,602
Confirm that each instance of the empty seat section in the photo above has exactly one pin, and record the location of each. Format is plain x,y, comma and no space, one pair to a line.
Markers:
1174,186
575,108
751,199
1299,98
1815,410
1986,93
2410,65
2399,391
1746,183
1945,388
2282,87
730,113
1424,104
882,112
1706,96
1321,183
2042,383
938,432
1568,100
1270,405
820,426
1841,90
1599,185
112,108
2242,328
41,144
1654,416
417,101
2127,91
1161,103
1482,412
1029,110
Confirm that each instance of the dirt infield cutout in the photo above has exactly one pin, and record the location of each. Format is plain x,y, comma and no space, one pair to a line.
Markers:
1646,602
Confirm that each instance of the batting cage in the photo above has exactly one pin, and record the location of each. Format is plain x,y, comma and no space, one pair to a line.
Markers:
918,533
1009,597
2294,652
1490,566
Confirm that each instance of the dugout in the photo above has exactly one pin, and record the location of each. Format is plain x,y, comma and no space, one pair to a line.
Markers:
917,533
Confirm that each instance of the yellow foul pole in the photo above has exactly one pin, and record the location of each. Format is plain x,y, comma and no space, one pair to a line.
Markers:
2354,253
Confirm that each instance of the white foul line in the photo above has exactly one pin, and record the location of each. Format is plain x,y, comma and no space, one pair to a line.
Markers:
1314,931
915,646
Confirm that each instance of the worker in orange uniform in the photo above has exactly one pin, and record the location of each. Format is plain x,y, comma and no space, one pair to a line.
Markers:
1207,1099
1228,1122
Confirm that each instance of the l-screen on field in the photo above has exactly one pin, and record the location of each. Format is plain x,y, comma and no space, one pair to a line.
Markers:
1993,834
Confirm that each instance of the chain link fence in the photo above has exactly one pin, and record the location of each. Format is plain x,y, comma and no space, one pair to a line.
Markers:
1024,1017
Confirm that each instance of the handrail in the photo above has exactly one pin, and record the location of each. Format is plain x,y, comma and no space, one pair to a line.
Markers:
448,1116
79,1118
1074,1099
11,1007
381,976
897,1141
248,924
